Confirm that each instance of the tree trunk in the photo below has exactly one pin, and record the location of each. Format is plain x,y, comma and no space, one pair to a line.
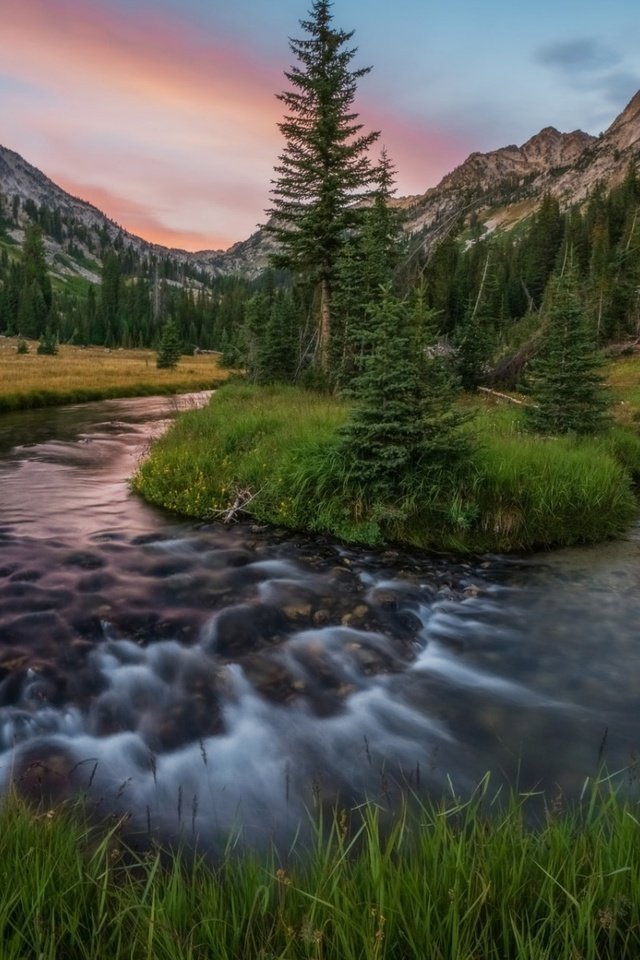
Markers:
325,324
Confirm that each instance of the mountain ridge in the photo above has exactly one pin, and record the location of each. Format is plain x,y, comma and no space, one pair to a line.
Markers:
488,185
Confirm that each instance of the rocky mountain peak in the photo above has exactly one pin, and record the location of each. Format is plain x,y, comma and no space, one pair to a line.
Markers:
625,129
549,148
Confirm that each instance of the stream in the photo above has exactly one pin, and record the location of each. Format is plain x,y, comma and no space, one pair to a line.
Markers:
209,679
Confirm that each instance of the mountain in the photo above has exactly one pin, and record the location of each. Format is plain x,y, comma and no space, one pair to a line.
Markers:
504,186
77,233
497,189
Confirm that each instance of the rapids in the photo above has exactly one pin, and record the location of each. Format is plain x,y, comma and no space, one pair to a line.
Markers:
208,679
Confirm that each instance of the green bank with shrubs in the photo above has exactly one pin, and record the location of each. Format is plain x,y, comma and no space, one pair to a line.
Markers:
276,452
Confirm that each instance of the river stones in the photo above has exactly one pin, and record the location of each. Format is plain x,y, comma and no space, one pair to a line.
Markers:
44,773
246,627
85,559
33,628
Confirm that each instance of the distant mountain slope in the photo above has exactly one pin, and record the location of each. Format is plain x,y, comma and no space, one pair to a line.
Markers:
500,188
79,232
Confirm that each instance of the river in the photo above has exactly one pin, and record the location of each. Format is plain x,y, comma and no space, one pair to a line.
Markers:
208,679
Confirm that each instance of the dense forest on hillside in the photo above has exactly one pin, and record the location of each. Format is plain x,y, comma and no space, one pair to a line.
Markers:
486,289
136,296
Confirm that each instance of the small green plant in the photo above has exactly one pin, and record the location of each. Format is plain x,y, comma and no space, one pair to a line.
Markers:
22,346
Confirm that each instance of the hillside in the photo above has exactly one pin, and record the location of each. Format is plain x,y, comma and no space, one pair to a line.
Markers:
499,188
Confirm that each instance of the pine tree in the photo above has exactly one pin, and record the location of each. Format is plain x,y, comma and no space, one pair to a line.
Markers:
256,319
475,336
277,356
48,343
325,165
109,310
403,429
365,268
33,313
565,381
35,296
169,348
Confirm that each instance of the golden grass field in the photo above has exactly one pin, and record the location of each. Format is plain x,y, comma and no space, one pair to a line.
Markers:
78,373
623,376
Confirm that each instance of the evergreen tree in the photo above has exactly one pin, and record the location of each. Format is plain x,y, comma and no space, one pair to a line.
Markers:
107,326
277,352
325,166
541,248
403,431
565,381
169,348
48,343
256,320
365,268
35,296
475,337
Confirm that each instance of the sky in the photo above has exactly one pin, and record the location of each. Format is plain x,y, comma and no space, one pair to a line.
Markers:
163,112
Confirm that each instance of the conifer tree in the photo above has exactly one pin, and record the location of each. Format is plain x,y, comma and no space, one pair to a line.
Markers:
403,430
108,315
325,166
33,313
565,380
48,343
277,355
365,268
35,296
169,348
256,319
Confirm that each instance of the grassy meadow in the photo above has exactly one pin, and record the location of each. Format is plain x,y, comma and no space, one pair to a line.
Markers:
77,374
450,882
276,450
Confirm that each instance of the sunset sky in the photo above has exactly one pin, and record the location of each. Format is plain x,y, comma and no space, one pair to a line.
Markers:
163,114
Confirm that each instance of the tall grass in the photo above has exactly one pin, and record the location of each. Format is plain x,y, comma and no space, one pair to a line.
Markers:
277,451
446,882
77,374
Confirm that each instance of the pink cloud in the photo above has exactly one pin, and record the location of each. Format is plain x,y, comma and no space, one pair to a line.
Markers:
145,110
138,219
170,131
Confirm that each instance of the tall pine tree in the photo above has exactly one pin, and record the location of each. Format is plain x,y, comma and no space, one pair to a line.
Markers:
325,164
365,267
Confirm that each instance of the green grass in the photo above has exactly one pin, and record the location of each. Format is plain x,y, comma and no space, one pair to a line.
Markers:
77,375
279,447
449,882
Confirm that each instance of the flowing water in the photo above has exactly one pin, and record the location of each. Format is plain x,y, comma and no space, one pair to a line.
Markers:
209,678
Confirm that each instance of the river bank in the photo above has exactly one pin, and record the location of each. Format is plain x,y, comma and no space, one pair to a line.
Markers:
274,452
84,374
449,881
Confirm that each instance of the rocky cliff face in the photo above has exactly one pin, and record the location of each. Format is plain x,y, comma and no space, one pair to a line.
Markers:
494,185
501,186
